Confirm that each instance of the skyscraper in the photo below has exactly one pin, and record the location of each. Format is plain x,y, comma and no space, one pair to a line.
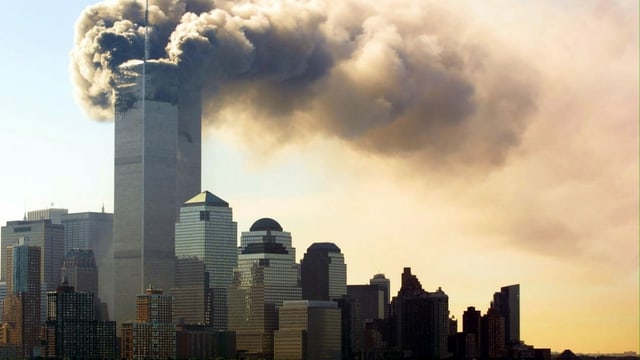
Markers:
44,234
79,270
382,282
21,306
323,272
265,277
206,231
93,230
191,293
507,304
157,168
53,214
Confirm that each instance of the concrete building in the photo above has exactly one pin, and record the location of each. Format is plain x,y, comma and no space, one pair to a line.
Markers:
206,231
308,330
265,277
71,330
323,272
93,231
157,168
153,334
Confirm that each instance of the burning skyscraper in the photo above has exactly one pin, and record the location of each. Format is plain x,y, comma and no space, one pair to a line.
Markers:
157,168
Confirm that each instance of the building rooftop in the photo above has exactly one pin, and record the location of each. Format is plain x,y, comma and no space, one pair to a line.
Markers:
324,247
207,198
266,224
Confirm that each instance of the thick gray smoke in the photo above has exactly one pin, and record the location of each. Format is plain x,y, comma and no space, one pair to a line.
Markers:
400,78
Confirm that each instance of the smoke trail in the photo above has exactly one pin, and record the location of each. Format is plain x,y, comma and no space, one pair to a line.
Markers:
401,78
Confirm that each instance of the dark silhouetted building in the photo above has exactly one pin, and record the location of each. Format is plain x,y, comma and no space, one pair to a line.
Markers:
381,281
492,335
266,276
420,320
507,303
71,330
323,272
206,231
368,306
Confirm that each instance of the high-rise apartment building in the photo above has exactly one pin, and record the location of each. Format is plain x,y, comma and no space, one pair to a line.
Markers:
308,330
157,168
44,234
153,334
323,272
93,231
71,330
206,231
21,306
266,276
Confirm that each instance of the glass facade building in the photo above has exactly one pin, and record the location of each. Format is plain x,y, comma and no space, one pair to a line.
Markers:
157,167
206,231
266,276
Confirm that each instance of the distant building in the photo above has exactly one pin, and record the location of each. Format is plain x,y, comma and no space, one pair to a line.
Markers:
21,306
368,306
471,326
79,270
493,335
191,293
265,277
308,330
507,303
93,231
153,334
3,294
420,320
44,234
204,342
323,272
381,281
53,214
206,230
71,330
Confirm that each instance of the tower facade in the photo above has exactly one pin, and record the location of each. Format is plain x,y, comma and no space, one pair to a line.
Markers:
206,231
191,293
79,271
507,304
385,284
323,272
93,230
266,276
157,167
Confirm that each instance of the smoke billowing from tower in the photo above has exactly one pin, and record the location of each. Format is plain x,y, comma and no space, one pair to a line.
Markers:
390,77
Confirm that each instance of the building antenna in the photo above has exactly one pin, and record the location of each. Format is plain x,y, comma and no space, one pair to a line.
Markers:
144,117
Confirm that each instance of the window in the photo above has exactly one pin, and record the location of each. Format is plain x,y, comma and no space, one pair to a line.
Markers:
204,215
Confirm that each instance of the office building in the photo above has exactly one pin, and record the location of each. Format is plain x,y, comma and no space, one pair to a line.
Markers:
308,330
266,276
204,342
71,330
206,231
368,306
44,234
472,328
191,293
21,306
53,214
492,335
79,271
420,319
93,231
3,293
385,284
157,168
323,272
507,304
153,334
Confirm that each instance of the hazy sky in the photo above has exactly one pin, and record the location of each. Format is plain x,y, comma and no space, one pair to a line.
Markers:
482,144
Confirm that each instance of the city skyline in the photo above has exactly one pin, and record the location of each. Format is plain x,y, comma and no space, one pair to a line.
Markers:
571,179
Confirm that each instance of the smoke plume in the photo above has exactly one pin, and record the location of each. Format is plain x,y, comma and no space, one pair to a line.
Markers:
395,78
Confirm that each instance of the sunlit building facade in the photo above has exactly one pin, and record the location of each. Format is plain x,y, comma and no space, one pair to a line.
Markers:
206,231
266,276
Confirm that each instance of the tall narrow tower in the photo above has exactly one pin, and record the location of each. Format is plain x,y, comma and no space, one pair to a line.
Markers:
157,168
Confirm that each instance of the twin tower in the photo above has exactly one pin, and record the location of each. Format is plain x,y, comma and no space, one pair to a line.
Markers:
157,168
